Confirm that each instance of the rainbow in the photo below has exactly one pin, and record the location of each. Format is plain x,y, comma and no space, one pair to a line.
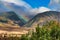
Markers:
23,17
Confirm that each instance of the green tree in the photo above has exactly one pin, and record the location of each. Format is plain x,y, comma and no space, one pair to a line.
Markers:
49,31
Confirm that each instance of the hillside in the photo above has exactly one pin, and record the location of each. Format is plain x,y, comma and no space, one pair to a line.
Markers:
11,23
11,17
42,18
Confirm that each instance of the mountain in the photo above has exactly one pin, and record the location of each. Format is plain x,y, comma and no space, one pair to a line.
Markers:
42,18
18,9
11,17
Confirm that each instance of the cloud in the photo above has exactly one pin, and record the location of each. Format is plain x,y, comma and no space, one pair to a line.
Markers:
54,5
54,1
40,10
18,2
18,6
25,7
22,8
3,8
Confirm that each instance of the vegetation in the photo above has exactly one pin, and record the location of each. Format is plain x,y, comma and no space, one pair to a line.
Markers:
49,31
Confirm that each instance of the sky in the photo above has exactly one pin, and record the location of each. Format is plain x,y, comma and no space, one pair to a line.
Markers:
37,3
29,6
51,4
26,8
32,3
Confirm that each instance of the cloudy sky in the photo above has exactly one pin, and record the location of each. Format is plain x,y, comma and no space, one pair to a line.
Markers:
29,6
36,4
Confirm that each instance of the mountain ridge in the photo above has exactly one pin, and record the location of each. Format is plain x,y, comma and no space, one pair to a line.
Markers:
12,16
46,16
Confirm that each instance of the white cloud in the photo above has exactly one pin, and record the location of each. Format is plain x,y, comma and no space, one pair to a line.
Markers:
12,1
54,1
55,5
40,10
31,11
18,2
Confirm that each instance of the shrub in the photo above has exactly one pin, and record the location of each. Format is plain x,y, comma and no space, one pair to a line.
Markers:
49,31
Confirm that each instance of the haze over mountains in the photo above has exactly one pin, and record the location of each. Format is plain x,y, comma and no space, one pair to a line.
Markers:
23,15
40,18
22,11
19,10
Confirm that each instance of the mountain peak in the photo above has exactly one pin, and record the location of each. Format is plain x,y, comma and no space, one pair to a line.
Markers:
42,18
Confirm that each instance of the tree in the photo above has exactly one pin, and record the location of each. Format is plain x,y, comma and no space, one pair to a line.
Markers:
49,31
